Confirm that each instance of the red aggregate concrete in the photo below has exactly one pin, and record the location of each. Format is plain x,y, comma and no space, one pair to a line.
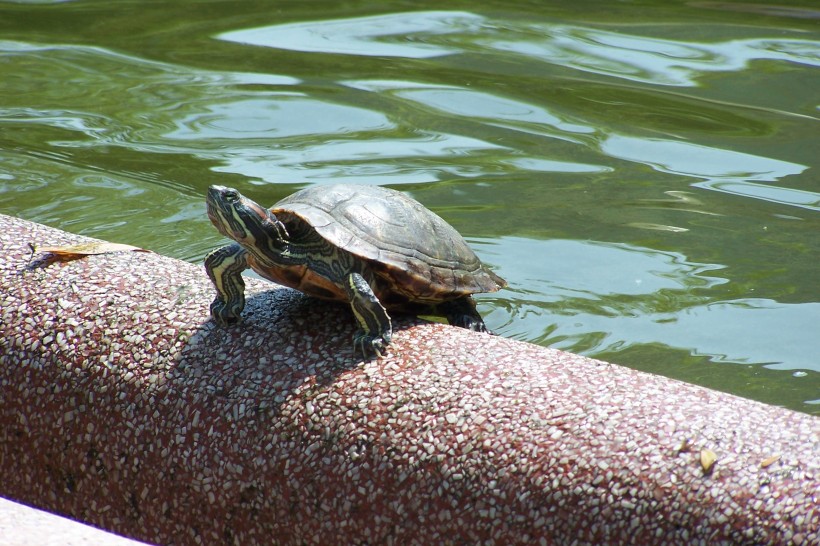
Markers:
123,405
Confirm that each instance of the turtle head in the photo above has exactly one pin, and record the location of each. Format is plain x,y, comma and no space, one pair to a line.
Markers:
245,221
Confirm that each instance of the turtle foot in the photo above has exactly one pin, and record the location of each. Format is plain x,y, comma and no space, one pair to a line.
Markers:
470,323
224,314
462,313
371,345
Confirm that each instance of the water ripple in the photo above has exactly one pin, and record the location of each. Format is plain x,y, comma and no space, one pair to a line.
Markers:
425,34
723,170
592,297
473,104
651,60
278,115
364,35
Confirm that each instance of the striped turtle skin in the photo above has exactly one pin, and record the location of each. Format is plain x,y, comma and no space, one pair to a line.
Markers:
372,247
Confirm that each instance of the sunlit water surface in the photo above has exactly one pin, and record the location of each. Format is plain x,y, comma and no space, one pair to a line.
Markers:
645,176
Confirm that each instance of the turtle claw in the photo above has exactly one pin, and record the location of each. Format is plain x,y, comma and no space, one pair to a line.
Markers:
371,345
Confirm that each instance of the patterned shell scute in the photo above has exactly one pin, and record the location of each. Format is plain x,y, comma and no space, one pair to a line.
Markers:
401,238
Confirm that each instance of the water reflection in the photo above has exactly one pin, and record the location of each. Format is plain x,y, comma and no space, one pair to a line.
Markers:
383,160
572,270
364,35
687,159
784,196
437,33
179,110
354,142
277,116
747,331
592,298
763,9
647,59
504,111
139,99
724,170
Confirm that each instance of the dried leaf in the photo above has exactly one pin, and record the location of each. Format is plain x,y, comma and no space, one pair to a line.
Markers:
684,446
74,252
769,461
87,249
708,458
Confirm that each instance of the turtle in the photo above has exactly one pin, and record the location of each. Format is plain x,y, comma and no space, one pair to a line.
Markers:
375,248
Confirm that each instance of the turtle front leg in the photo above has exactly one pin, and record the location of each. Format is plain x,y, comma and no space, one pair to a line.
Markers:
376,329
224,267
461,312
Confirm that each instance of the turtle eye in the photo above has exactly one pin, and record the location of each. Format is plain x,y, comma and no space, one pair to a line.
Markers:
231,196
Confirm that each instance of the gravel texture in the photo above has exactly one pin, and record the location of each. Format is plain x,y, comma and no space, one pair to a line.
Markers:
124,406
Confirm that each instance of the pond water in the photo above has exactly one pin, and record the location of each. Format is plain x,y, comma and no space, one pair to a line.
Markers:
644,174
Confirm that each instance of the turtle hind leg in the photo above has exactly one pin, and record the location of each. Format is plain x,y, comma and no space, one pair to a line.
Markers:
461,312
224,267
376,328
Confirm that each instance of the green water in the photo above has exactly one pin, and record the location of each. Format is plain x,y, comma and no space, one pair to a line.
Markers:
643,173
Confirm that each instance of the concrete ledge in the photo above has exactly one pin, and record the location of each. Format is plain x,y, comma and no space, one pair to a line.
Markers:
123,406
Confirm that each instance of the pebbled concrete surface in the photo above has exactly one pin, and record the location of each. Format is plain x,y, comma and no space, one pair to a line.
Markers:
124,406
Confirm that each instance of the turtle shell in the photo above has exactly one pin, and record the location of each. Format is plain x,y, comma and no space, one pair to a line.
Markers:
417,253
